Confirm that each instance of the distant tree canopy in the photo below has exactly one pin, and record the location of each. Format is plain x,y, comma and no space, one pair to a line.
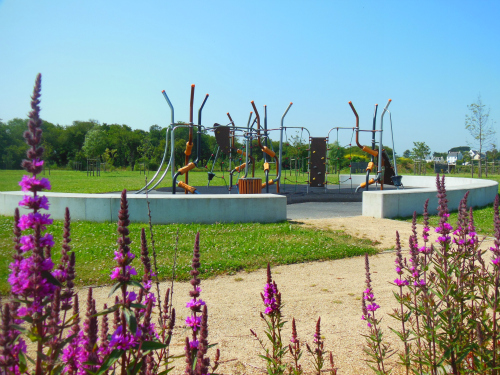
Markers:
462,149
420,150
121,146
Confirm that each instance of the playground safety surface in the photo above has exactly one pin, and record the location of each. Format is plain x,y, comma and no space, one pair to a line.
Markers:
293,193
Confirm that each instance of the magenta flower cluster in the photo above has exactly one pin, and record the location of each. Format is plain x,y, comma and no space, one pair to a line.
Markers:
270,291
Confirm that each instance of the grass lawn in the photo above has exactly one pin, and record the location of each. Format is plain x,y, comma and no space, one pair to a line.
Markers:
78,182
483,217
483,220
225,248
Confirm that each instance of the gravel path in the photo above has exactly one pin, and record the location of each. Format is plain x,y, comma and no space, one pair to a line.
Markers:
329,289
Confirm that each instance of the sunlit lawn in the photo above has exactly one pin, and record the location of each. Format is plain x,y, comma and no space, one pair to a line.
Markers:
225,248
78,182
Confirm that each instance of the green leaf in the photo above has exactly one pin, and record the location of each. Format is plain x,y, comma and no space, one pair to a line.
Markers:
152,345
114,288
22,362
165,372
135,367
51,279
138,306
107,311
109,361
131,320
136,283
57,370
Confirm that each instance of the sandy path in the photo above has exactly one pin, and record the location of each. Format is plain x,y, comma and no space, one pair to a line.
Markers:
328,289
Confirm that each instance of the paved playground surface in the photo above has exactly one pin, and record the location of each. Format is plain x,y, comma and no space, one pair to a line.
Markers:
322,210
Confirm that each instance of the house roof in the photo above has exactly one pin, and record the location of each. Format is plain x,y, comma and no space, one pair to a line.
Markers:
454,153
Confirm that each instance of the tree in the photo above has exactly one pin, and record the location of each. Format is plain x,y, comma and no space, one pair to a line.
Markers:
95,143
480,128
420,150
407,154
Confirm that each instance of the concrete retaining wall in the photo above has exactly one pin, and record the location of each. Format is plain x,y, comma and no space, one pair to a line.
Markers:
402,203
165,209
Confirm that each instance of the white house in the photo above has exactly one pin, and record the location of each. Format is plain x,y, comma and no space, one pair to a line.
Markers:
437,159
474,154
453,157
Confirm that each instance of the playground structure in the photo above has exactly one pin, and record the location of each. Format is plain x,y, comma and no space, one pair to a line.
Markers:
240,160
93,167
213,207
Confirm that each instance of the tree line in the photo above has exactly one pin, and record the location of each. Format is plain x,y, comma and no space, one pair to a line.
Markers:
120,146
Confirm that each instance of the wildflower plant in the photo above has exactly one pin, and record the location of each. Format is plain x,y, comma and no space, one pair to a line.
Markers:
40,292
318,350
274,323
448,296
295,352
376,349
197,362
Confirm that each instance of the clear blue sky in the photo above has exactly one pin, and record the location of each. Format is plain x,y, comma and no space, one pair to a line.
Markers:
109,61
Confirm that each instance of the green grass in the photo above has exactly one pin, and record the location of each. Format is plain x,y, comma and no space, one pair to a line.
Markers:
483,217
225,248
77,182
483,220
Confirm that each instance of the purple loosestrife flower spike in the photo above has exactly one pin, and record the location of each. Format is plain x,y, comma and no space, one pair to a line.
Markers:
369,306
65,257
414,229
294,338
170,328
189,361
72,352
317,334
18,255
123,257
444,228
195,264
7,360
425,232
33,135
496,247
116,315
399,263
271,297
166,308
104,344
203,363
145,259
90,333
294,348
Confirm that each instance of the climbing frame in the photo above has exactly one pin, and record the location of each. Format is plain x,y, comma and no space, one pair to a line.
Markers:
317,161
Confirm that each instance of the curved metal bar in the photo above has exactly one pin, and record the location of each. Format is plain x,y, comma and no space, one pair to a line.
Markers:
393,150
265,144
379,172
161,178
374,128
159,168
166,148
198,135
232,147
172,152
189,144
281,144
171,107
357,125
258,124
172,156
234,126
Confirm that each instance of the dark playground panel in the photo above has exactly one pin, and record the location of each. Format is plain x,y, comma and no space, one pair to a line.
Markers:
317,171
222,138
